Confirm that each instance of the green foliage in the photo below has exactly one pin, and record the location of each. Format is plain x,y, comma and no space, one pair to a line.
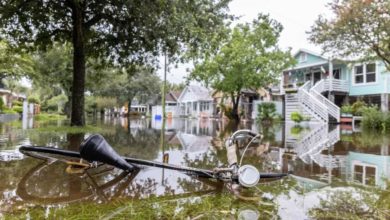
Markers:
227,111
117,31
358,28
296,130
6,110
346,109
17,108
358,107
17,103
345,204
297,117
55,104
14,64
1,104
266,111
248,58
33,99
141,83
48,117
374,119
70,129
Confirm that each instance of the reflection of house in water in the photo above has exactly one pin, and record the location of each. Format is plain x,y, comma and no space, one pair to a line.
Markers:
194,143
322,157
368,169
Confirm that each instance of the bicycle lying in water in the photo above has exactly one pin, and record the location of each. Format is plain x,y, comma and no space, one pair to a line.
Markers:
95,151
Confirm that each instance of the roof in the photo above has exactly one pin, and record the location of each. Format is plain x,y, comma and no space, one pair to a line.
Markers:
310,52
198,92
172,96
169,97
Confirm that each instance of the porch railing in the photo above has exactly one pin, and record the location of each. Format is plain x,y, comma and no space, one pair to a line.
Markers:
317,108
317,89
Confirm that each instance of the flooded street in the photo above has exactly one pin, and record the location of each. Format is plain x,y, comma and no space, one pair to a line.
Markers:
336,173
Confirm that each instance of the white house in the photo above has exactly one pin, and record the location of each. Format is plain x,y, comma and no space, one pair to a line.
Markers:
196,101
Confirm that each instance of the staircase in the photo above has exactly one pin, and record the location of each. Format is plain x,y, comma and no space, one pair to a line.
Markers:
309,147
310,102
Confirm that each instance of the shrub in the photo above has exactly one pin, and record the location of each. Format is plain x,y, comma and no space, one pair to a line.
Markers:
296,117
1,104
266,111
347,109
386,121
18,109
33,99
17,103
6,110
296,130
357,108
373,118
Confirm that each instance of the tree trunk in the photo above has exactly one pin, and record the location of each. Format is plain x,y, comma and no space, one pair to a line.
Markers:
235,116
77,116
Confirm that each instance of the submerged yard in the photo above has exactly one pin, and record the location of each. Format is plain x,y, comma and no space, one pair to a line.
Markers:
337,173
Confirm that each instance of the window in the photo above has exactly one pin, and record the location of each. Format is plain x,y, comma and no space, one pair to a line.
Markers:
370,72
359,78
194,106
302,57
365,73
364,174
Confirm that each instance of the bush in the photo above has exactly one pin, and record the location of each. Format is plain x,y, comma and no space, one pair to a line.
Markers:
18,109
346,109
17,103
296,117
1,104
373,119
296,130
6,110
33,99
266,111
357,108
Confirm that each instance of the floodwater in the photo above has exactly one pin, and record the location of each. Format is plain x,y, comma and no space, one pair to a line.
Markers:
338,172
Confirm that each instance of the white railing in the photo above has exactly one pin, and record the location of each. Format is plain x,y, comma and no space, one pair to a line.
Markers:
322,86
309,148
314,139
314,106
337,85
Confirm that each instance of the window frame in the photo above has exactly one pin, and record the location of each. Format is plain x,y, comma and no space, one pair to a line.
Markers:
364,74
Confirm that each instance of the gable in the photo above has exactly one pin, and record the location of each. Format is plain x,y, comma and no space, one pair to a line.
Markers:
307,58
195,93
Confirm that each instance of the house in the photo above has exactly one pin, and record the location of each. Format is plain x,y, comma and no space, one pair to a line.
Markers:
8,96
171,106
317,86
196,101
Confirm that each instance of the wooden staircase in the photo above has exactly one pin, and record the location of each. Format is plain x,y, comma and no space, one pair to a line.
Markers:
310,102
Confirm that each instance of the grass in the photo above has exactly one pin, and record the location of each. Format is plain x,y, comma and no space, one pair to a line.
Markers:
49,117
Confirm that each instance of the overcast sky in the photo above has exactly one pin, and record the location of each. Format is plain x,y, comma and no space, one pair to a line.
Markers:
296,17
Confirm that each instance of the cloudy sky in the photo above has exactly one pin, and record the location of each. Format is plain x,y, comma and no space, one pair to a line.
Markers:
296,17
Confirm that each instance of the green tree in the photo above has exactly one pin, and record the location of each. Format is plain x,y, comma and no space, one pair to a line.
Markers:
137,82
14,64
248,58
358,28
123,31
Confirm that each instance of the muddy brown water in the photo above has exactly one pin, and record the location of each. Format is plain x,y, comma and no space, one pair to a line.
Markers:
338,172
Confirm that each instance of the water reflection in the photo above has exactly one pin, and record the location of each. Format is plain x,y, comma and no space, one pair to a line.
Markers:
321,157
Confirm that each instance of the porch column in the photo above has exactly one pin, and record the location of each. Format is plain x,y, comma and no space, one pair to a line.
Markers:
385,102
330,75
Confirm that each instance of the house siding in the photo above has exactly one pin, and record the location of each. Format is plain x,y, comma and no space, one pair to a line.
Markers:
378,87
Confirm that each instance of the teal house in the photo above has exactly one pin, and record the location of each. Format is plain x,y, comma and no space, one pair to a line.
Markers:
317,86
